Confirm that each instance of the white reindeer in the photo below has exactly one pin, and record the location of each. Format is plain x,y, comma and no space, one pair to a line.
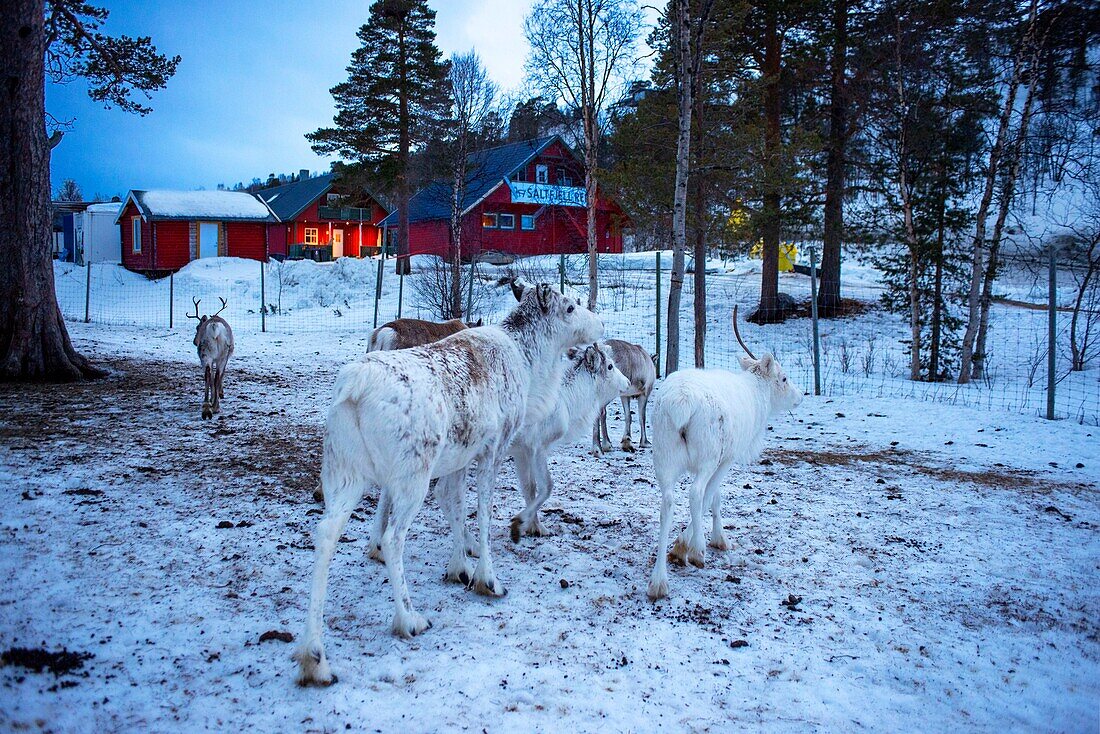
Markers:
214,339
589,381
401,418
639,367
704,421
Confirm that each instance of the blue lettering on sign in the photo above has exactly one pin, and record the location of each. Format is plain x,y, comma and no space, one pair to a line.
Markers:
547,195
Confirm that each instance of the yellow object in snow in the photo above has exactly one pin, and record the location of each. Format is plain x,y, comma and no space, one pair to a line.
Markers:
788,253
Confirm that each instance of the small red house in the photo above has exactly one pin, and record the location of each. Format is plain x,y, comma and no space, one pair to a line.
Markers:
524,198
164,230
322,219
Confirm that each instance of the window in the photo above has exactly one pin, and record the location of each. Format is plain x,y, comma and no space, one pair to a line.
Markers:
135,230
541,175
489,221
333,198
527,221
520,175
506,221
310,236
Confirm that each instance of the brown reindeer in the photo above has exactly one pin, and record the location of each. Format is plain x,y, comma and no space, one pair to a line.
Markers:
405,333
214,339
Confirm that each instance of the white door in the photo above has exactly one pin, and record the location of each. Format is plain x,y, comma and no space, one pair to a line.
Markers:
337,243
208,239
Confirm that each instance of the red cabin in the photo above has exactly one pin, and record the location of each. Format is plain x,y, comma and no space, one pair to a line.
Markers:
321,219
164,230
524,198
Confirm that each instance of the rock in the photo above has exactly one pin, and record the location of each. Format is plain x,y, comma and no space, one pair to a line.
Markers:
276,635
564,584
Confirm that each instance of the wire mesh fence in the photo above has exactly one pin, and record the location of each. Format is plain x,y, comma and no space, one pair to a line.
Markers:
863,351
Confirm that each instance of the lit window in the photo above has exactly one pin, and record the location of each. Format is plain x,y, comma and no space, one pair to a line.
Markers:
310,236
507,221
541,175
135,229
527,221
489,221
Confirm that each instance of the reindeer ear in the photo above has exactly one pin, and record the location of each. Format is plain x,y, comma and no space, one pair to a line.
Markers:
591,357
517,289
748,364
766,365
542,293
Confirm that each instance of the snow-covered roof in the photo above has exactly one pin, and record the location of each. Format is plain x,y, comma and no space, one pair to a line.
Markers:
106,206
207,205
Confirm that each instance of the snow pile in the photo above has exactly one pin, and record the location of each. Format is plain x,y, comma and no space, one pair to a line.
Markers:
204,204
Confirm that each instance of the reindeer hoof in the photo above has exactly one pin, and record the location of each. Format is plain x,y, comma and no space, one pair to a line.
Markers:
678,554
318,494
657,590
495,589
410,625
628,446
718,542
695,560
375,553
516,525
645,444
537,530
207,412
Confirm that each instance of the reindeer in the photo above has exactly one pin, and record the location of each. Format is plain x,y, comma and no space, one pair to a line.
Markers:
214,339
640,368
405,333
704,421
591,379
402,418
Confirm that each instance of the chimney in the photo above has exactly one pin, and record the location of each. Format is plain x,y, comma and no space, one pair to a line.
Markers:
303,174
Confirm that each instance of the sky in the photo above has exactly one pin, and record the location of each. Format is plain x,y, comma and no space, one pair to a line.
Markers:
253,80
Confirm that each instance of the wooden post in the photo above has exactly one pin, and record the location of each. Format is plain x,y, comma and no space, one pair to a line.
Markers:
657,311
1052,328
171,297
561,272
813,313
263,299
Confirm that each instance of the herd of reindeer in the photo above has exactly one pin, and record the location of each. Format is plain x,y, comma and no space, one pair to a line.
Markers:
430,402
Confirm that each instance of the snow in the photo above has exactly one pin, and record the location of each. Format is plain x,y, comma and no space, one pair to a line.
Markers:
111,207
208,204
946,558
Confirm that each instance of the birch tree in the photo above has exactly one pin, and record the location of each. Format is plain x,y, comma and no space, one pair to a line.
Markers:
581,53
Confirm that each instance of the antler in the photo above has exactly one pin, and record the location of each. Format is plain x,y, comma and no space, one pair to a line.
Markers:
196,314
224,304
737,333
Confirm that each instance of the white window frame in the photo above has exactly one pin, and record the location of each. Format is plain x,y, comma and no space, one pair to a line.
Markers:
309,232
135,235
485,217
511,221
525,220
542,173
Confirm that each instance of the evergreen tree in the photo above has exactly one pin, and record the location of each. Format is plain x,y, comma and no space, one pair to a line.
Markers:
60,40
396,93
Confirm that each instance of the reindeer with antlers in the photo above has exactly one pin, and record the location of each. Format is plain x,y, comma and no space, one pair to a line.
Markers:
214,339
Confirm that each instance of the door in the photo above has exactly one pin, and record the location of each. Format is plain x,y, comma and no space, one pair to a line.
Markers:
337,243
208,239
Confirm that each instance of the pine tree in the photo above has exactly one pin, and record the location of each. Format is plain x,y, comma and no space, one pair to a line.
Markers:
61,39
396,93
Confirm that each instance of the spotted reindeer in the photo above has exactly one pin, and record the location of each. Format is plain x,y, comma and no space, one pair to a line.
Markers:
214,339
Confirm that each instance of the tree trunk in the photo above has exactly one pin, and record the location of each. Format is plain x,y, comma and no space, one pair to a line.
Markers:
913,244
403,266
699,222
977,265
772,228
1079,353
978,369
828,295
590,193
456,237
33,340
937,289
679,196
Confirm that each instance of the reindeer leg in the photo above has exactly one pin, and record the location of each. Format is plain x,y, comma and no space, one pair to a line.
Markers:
626,444
713,499
207,410
450,491
485,579
605,440
596,449
381,519
643,400
406,499
546,486
523,460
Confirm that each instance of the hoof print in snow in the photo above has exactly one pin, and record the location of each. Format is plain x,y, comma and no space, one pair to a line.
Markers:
277,635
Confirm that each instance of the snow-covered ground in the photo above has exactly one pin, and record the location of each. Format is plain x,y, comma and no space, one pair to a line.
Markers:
946,559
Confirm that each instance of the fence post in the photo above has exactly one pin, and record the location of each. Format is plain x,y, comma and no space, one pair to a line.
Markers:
171,298
263,298
400,292
657,310
378,286
1052,328
561,272
470,292
813,313
88,293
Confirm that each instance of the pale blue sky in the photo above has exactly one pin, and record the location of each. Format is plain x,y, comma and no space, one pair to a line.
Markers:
254,79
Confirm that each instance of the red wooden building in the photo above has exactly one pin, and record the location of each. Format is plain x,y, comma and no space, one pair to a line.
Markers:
164,230
322,219
524,198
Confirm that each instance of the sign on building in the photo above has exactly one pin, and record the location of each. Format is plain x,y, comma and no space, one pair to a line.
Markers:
547,195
